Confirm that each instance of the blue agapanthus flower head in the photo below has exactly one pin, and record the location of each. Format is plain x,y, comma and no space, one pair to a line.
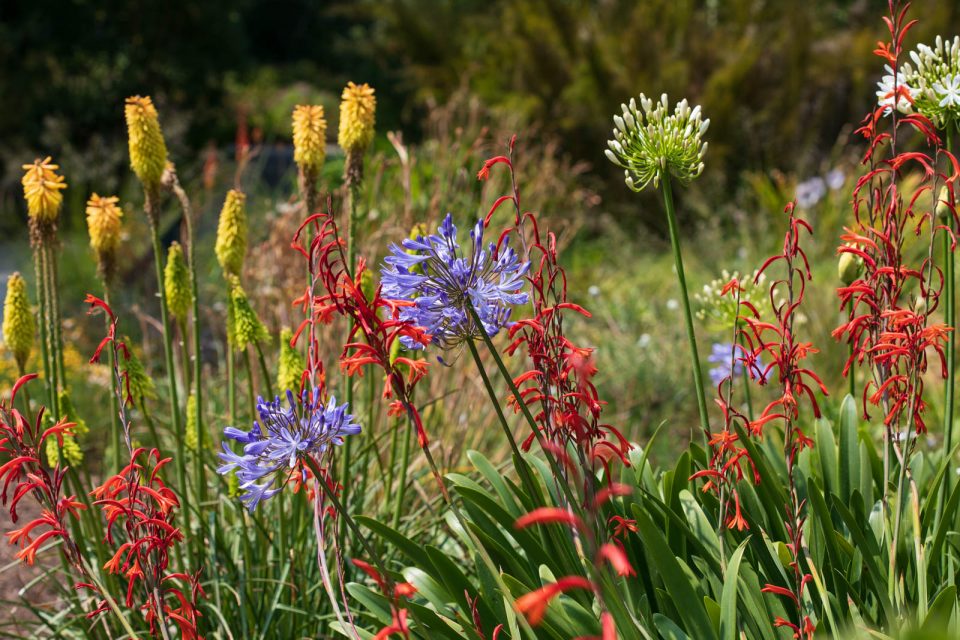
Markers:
276,445
440,278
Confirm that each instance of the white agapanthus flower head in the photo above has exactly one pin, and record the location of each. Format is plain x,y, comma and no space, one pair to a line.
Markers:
933,73
650,142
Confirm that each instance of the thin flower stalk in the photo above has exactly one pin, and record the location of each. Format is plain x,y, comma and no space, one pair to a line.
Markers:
140,511
889,323
798,386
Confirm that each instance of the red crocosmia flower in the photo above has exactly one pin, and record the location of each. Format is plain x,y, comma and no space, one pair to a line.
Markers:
622,526
558,389
549,515
398,626
617,559
374,323
140,512
534,604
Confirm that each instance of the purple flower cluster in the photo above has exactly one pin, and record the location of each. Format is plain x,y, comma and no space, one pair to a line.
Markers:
278,442
721,355
443,283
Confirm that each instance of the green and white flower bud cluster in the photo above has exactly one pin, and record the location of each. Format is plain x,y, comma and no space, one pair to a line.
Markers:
719,312
650,142
933,77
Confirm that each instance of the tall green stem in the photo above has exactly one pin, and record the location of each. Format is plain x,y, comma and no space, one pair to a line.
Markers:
404,464
520,463
54,292
950,314
40,270
347,380
231,382
114,406
152,203
688,316
51,323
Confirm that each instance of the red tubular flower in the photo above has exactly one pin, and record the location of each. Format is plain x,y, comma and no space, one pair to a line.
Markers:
375,326
22,469
140,512
549,515
398,626
559,383
889,307
534,604
617,559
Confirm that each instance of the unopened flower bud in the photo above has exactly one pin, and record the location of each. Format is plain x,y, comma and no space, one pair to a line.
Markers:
849,267
291,364
944,202
243,324
148,151
650,143
18,324
176,282
231,246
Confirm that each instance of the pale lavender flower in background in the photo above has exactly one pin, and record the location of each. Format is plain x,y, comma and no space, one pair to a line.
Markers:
835,179
810,192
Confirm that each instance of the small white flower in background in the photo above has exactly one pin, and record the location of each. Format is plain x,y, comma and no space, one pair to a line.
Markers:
594,290
950,90
886,92
644,340
650,143
672,305
810,192
835,179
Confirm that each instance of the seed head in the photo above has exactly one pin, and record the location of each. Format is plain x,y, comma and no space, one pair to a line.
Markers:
231,246
148,151
649,143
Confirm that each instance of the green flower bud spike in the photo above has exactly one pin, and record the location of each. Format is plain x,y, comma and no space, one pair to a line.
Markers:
19,327
291,365
176,282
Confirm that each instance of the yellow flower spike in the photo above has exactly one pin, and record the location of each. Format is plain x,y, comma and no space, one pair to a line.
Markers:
246,327
176,282
148,151
103,225
358,108
42,188
18,324
291,364
231,246
309,138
